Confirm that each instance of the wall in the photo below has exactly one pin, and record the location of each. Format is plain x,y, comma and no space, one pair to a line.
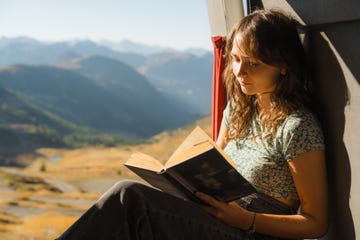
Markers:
331,39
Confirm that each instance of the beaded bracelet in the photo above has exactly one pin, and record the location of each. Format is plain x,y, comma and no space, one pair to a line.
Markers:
251,229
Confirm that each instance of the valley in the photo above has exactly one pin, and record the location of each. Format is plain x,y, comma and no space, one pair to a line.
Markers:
44,198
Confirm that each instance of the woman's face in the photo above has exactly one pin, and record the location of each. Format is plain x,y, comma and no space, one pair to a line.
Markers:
254,76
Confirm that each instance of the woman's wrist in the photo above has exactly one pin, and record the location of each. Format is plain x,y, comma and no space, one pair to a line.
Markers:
251,228
247,221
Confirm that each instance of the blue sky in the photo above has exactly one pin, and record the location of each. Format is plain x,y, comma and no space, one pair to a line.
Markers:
178,24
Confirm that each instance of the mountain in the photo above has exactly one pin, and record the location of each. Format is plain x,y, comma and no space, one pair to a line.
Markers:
32,52
138,48
185,76
146,50
135,109
23,50
89,48
126,83
191,76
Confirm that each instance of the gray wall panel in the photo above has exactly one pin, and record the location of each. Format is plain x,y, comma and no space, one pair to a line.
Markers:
332,37
315,12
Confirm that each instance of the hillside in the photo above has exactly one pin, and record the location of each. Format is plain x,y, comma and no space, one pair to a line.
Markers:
80,100
23,128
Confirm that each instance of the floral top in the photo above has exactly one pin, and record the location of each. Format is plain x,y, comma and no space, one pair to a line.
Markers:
264,163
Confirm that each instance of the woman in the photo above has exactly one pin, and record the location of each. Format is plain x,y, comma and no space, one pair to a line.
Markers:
267,130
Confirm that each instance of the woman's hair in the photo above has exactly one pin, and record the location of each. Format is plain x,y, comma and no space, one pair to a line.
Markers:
271,37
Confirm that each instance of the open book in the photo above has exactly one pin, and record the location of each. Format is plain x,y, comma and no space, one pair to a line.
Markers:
198,164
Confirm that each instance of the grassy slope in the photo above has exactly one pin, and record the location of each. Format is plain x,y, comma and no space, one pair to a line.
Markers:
84,174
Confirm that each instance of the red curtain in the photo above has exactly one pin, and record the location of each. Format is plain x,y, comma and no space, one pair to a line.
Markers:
218,88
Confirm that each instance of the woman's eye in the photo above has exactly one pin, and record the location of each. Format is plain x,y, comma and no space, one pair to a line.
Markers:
252,64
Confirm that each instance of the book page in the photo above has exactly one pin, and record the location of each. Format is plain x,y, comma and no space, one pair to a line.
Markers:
195,137
141,160
188,153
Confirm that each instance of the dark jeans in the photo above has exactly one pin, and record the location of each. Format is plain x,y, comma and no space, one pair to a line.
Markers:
130,210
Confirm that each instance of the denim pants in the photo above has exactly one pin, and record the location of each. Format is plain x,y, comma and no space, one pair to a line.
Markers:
134,211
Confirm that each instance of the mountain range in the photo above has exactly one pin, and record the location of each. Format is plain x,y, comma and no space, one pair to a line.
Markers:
70,94
184,75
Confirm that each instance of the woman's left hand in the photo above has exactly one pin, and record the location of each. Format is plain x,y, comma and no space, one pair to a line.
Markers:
229,213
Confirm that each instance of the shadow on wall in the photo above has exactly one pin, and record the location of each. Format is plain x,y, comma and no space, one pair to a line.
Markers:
345,38
332,96
344,34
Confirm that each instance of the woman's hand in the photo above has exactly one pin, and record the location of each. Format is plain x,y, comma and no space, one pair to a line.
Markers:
229,213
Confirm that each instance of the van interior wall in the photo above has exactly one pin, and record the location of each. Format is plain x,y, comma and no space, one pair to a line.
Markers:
329,85
331,40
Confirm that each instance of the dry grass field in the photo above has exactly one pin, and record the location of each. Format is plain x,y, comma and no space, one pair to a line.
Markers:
40,201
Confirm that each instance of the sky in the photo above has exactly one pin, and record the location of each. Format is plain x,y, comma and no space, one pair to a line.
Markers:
178,24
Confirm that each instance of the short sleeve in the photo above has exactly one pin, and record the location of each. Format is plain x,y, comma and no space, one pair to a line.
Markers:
301,134
226,115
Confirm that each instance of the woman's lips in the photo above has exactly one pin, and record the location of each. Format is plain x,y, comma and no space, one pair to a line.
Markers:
242,83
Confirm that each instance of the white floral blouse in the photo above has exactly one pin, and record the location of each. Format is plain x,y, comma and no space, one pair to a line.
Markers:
264,164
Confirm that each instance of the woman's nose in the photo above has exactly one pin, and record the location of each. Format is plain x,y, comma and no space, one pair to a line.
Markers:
240,69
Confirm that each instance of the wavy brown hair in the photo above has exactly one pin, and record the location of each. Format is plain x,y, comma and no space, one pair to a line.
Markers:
271,37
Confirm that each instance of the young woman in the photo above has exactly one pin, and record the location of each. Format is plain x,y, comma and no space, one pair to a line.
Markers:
267,130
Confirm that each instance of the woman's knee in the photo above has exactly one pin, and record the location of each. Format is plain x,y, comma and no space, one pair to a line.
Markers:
125,185
121,190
